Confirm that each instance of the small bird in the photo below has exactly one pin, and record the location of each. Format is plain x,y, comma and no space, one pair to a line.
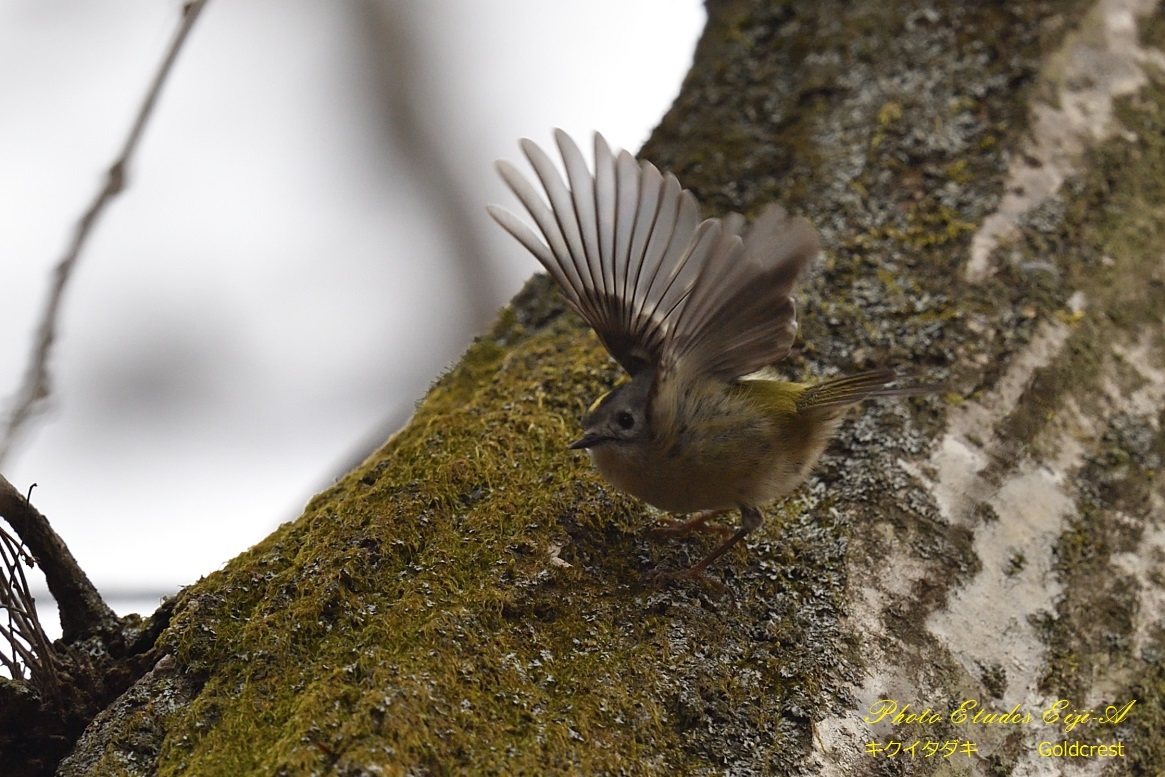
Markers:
693,311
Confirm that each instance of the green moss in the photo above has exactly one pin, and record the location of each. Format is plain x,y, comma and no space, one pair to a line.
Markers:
414,614
472,599
904,199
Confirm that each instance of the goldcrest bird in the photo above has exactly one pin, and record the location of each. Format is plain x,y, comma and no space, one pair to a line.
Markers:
691,309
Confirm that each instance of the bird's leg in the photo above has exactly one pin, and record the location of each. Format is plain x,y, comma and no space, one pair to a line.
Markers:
698,522
750,520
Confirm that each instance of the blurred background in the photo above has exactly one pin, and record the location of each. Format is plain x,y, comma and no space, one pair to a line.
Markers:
302,247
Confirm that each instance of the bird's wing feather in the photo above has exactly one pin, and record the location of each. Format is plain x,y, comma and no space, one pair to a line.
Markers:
660,287
617,242
739,315
831,397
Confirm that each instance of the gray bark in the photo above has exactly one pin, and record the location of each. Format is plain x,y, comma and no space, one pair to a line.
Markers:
988,182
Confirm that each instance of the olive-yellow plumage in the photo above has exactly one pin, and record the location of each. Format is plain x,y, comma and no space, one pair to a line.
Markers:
692,310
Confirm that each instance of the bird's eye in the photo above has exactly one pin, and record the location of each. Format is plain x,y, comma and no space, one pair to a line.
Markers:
625,420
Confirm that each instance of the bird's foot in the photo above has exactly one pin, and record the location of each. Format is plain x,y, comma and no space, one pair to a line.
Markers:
662,577
698,522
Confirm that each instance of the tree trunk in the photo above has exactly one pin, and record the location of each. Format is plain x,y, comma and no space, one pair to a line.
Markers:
989,183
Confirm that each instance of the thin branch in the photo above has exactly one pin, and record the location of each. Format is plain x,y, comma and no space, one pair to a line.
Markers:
23,660
37,385
26,639
83,611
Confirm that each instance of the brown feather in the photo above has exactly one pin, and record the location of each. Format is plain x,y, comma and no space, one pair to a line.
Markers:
837,393
618,242
664,292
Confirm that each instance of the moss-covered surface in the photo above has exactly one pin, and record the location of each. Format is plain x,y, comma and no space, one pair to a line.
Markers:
473,599
420,612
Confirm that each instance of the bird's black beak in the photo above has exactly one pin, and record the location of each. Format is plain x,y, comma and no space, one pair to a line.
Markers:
588,440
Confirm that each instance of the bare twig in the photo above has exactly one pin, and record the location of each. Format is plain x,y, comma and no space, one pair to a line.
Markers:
29,655
37,385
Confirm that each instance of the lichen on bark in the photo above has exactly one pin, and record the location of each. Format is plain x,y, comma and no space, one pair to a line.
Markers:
472,599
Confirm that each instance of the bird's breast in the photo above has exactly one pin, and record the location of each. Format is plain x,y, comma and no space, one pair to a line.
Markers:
725,453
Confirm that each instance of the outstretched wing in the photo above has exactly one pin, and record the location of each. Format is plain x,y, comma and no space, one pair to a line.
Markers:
624,244
739,315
